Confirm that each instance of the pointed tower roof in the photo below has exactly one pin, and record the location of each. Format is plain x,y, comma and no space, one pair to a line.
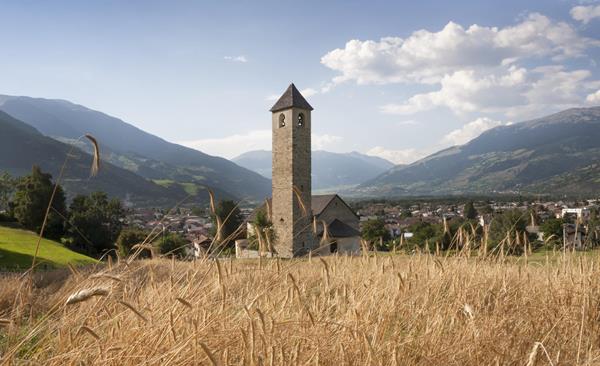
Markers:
291,98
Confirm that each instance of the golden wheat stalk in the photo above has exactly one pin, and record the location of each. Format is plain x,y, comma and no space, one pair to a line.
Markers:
89,331
298,194
86,294
134,310
211,196
96,161
184,302
94,170
106,275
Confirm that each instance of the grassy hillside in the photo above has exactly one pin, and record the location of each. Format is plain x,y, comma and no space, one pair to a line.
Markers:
17,248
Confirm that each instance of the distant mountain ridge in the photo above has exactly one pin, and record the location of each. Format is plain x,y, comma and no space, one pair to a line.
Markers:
330,171
556,154
22,146
133,149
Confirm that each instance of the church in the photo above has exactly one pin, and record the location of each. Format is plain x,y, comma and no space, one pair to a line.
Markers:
302,223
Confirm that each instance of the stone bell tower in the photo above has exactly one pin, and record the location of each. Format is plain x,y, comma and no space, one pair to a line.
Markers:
291,207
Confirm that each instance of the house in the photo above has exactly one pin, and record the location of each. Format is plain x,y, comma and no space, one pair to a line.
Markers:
200,246
334,224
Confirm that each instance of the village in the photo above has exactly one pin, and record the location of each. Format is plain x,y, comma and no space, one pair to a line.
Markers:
578,218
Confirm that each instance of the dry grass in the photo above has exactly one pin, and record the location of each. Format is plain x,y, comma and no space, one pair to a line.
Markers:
395,310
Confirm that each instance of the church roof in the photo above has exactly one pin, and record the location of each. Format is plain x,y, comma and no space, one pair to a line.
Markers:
339,229
318,204
291,98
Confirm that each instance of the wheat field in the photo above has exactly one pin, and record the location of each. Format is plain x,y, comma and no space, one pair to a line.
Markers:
370,310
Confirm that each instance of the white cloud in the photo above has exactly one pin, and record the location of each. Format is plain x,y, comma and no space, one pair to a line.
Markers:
234,145
405,156
426,57
470,131
593,98
308,92
585,14
515,91
325,142
408,122
475,69
240,58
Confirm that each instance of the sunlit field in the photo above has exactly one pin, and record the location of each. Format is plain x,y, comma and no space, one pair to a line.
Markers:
377,310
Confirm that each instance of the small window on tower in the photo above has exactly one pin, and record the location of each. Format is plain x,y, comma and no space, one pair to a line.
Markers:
300,120
281,120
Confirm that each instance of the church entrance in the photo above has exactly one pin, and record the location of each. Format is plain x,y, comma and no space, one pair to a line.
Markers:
333,247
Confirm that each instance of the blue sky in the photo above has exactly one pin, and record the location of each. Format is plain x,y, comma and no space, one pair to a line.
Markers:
397,79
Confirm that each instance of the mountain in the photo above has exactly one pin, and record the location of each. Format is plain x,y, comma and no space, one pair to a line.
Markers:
557,154
329,170
133,149
22,146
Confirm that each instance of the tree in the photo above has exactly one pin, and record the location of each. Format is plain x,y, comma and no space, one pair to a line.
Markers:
198,211
425,232
552,227
172,244
230,217
31,200
7,188
470,211
263,231
95,223
509,224
130,237
375,230
486,209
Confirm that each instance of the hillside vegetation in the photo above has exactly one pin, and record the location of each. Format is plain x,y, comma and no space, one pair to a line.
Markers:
394,310
131,148
22,146
17,248
556,154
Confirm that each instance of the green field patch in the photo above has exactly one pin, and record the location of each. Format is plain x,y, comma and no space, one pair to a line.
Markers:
17,248
164,182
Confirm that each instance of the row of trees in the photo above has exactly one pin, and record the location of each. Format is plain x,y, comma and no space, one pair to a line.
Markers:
509,224
93,224
89,225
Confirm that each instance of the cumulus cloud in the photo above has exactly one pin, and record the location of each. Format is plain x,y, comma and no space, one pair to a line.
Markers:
514,91
470,131
593,98
426,57
476,68
585,14
240,58
237,144
405,156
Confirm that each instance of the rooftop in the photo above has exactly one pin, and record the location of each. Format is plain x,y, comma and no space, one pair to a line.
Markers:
291,98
